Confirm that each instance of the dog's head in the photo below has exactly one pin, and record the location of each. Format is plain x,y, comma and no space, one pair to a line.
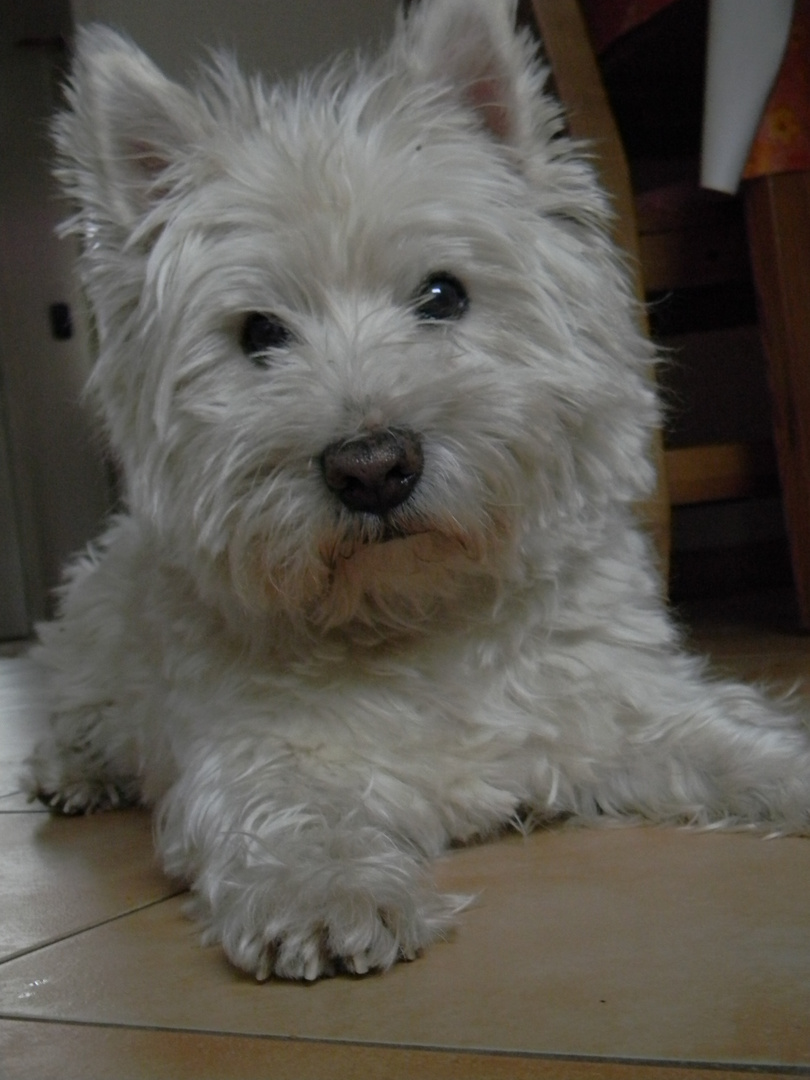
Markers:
365,351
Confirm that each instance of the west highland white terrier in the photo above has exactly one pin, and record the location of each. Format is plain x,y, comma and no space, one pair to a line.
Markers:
370,365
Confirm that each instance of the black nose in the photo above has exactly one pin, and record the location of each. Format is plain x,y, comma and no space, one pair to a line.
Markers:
375,473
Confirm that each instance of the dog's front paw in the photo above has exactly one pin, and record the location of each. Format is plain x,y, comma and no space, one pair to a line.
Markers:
348,930
73,781
79,796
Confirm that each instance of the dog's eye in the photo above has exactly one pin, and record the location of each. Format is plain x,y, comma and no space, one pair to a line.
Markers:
441,297
261,333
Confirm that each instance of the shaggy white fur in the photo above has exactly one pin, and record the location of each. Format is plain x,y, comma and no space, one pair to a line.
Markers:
370,365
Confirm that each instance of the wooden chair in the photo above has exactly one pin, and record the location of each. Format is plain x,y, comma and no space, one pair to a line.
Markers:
700,242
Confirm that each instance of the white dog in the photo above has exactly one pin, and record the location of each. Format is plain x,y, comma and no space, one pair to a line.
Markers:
370,366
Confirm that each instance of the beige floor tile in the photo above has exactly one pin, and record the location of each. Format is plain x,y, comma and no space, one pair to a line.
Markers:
18,803
761,627
61,875
22,720
15,648
777,673
779,662
84,1052
641,944
778,670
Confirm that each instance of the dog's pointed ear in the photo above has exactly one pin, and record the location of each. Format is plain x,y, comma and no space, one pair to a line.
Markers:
472,46
126,128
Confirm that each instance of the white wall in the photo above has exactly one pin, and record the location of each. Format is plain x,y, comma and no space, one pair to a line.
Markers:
277,37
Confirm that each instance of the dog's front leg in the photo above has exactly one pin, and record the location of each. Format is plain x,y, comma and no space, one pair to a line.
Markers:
711,752
302,868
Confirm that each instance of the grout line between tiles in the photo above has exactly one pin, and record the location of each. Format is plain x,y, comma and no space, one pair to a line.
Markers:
743,1068
90,927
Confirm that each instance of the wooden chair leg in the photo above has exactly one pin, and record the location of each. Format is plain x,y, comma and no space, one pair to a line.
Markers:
778,219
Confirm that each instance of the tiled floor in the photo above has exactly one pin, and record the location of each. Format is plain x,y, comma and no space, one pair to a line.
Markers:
590,955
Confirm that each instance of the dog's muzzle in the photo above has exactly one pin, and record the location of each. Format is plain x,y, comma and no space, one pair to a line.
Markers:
375,473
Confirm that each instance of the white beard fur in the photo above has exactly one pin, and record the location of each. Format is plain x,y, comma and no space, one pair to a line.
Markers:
317,701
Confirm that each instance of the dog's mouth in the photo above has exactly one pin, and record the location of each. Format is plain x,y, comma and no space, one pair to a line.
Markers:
367,533
393,531
383,531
